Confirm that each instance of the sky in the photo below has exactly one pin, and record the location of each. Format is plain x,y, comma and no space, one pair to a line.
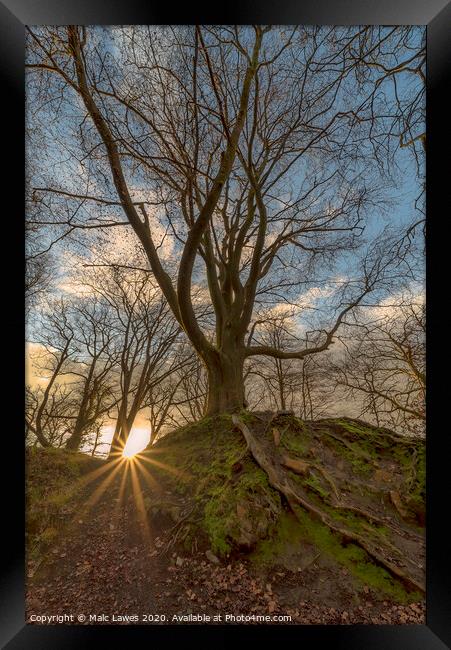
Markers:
59,150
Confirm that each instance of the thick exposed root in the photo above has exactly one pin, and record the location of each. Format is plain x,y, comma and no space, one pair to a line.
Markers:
275,465
303,467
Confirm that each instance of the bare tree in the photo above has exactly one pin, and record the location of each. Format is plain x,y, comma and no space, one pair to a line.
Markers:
383,368
56,348
403,57
39,269
279,378
146,332
95,436
183,394
252,156
92,367
298,385
40,265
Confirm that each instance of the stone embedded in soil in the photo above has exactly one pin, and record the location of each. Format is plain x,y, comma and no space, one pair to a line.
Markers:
212,557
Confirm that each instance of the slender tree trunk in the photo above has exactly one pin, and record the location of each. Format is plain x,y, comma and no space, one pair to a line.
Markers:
74,442
123,427
280,380
40,437
119,437
96,443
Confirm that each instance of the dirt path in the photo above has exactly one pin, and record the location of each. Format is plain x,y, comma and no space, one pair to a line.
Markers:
109,565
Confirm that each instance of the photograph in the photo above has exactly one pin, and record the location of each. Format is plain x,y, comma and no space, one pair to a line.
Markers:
225,401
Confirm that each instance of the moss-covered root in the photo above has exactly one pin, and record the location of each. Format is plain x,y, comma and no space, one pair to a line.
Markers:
269,461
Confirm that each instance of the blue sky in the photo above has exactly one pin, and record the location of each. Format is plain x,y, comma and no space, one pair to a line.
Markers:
56,161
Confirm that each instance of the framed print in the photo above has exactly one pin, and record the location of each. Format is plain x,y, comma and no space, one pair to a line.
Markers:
234,324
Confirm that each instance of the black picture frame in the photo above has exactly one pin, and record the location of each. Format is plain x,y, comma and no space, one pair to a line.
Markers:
436,14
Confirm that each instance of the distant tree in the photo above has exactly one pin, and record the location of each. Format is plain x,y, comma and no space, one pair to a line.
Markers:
280,378
47,405
299,385
383,367
95,436
91,369
184,394
40,265
145,332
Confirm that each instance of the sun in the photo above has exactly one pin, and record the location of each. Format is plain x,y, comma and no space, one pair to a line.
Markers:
128,453
136,442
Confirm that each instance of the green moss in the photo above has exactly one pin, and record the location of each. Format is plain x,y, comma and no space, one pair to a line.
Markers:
355,559
415,485
217,523
355,453
358,524
314,483
292,532
295,443
360,466
295,436
286,534
419,486
252,493
247,417
369,440
354,427
411,458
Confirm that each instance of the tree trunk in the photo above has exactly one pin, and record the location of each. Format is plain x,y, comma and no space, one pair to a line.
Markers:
119,439
225,381
124,426
40,437
119,435
74,442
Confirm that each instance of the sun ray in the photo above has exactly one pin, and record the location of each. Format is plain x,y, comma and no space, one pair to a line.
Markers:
100,489
172,470
150,480
88,478
95,473
117,455
142,513
121,492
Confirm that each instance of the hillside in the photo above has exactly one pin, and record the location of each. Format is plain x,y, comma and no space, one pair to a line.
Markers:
327,522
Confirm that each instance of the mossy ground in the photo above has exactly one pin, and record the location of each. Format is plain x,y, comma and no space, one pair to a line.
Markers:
300,536
213,466
233,509
238,511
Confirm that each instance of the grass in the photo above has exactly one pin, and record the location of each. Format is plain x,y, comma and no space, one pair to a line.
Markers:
51,486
